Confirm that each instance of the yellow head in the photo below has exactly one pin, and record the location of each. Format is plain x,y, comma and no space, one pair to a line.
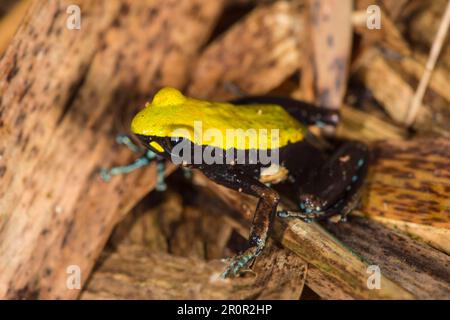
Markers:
173,115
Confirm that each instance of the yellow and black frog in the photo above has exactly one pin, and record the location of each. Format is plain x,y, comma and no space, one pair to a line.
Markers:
250,145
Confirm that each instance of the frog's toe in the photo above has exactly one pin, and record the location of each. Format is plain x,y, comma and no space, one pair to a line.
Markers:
126,140
310,203
230,270
283,214
240,261
105,174
307,216
234,267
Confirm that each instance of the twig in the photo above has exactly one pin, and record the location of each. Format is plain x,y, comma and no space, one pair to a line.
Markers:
434,54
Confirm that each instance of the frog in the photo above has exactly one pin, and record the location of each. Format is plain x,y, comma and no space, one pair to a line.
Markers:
323,176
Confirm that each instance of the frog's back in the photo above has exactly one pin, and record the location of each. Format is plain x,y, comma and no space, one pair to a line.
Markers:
173,115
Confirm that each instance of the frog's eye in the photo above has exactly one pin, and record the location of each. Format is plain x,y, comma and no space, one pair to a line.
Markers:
155,145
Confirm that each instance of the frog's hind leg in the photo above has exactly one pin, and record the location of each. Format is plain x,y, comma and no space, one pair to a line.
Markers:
265,211
335,187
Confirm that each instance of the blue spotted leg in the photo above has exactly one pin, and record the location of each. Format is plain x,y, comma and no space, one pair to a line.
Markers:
126,140
335,188
264,213
149,156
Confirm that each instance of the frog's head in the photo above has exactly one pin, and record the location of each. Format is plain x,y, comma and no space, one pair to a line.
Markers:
148,124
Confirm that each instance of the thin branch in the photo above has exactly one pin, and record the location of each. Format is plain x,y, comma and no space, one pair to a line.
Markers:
434,54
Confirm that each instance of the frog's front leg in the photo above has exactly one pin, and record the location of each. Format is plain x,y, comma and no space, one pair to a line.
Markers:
265,210
149,156
334,188
126,141
140,162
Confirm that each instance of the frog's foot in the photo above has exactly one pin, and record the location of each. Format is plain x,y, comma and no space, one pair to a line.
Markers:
147,158
107,174
126,140
240,261
343,207
308,217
